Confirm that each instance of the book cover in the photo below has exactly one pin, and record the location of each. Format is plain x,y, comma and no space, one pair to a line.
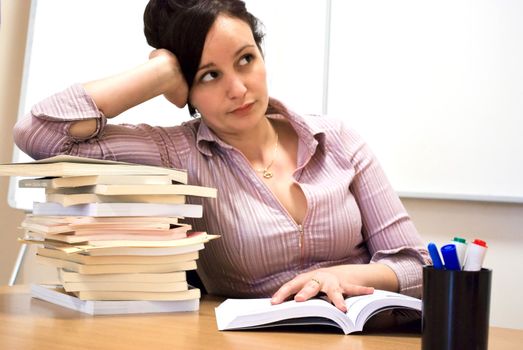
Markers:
56,295
118,209
64,165
130,295
59,224
84,198
107,229
117,268
145,251
235,314
95,237
113,190
117,259
112,239
70,276
90,180
153,287
193,238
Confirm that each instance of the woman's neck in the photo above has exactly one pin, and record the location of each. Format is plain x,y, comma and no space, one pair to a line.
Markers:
257,145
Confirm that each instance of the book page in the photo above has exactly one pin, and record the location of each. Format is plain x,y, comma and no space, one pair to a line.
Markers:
360,308
256,313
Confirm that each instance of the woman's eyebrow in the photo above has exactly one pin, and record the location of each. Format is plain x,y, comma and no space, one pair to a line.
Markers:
236,53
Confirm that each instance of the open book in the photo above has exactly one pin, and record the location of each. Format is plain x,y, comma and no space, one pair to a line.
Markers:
235,314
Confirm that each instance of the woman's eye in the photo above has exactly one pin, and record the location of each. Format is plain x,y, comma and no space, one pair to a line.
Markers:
209,76
246,59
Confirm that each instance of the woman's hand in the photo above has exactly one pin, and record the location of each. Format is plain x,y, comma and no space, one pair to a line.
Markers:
159,75
326,280
174,86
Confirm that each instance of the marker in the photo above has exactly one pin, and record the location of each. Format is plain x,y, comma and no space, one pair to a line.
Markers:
461,249
450,256
475,255
434,255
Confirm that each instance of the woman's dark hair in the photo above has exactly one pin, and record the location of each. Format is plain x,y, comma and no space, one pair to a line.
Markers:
181,27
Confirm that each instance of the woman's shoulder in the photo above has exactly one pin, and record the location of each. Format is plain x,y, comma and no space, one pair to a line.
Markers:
328,125
314,123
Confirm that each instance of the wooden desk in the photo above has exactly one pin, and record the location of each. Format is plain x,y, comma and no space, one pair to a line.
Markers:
27,323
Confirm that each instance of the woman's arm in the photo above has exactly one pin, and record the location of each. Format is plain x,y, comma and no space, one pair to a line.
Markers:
71,122
116,94
397,252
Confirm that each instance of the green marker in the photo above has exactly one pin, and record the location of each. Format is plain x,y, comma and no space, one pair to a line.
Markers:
461,248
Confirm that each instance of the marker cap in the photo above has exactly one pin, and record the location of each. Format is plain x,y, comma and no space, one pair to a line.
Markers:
450,257
475,255
461,249
480,242
434,255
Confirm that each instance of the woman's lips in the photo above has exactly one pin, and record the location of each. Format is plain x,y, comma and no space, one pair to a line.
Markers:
243,109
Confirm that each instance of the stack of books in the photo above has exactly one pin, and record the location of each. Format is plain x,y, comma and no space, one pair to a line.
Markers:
115,233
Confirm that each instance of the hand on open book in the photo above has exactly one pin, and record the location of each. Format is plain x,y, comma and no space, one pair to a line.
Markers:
326,280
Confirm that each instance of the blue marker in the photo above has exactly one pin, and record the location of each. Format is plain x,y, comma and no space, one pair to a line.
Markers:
450,257
434,255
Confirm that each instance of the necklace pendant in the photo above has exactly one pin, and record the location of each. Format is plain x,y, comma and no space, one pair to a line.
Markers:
267,174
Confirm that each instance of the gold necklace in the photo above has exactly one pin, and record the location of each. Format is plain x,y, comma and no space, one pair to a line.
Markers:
266,173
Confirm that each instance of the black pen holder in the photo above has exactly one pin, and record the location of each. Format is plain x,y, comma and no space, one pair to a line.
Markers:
456,309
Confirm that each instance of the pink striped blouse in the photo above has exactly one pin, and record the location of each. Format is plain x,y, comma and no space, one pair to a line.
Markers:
353,216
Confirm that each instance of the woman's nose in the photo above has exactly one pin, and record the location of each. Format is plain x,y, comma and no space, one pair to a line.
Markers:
236,87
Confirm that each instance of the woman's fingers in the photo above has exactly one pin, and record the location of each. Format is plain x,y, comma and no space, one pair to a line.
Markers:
308,285
337,298
174,88
354,289
309,289
290,288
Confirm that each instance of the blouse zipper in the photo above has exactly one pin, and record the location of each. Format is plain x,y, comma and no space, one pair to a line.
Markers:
300,227
300,243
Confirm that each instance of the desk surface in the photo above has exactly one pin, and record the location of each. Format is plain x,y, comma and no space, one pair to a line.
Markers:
27,323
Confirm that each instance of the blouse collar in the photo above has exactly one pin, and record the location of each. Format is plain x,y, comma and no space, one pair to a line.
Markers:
308,132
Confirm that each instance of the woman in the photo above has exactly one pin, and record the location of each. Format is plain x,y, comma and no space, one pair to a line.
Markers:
303,205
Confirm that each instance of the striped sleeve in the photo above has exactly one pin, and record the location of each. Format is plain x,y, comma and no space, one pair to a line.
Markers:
44,132
390,235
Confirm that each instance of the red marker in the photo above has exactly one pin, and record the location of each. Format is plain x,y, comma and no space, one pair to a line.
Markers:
475,255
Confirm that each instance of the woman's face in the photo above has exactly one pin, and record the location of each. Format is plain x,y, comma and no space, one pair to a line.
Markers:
230,86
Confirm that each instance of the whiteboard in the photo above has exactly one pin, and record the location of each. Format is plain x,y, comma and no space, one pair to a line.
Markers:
435,88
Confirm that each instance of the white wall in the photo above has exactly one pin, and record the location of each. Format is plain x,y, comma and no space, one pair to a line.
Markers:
12,33
500,225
